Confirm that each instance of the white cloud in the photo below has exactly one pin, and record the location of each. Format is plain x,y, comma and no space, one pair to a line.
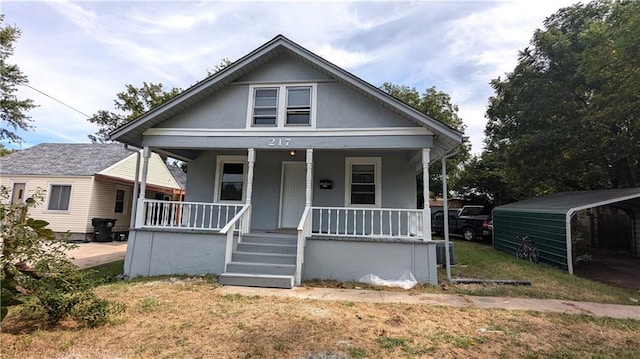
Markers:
84,52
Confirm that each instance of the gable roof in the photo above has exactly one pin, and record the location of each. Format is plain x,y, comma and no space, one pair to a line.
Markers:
564,202
445,137
63,159
179,175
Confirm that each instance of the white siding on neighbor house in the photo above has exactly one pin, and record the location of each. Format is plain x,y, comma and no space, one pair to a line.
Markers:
157,175
103,204
73,220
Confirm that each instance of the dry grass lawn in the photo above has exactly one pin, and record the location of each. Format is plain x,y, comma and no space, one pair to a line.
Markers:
190,319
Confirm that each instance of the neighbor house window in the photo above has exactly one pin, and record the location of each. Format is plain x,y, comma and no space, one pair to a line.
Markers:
298,105
119,208
265,107
59,196
363,181
231,178
282,105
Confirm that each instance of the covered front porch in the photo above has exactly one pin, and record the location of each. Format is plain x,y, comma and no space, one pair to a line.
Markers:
280,217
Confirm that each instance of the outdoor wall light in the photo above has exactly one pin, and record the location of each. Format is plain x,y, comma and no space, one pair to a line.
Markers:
292,153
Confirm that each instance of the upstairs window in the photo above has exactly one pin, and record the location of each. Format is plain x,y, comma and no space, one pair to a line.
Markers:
298,105
59,197
282,105
265,107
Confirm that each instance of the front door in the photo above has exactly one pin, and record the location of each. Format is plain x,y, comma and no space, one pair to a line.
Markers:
292,194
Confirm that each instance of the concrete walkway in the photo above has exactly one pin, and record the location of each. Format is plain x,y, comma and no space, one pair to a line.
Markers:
451,300
96,253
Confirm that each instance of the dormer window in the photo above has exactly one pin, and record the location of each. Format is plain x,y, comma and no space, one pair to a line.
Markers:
282,105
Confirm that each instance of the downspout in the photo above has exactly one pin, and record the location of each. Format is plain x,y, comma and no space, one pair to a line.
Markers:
134,204
445,207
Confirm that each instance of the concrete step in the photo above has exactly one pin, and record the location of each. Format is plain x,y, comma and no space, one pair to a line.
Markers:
287,240
266,248
270,258
256,280
261,268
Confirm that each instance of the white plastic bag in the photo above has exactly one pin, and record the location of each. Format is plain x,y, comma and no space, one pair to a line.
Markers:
406,281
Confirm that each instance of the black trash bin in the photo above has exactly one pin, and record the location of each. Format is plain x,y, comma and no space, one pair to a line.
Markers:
102,229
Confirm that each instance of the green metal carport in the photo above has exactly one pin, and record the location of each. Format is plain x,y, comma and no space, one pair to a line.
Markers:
547,220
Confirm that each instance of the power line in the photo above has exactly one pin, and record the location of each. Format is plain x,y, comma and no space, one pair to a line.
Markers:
58,101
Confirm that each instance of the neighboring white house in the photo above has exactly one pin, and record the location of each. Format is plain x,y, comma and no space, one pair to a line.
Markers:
82,182
297,169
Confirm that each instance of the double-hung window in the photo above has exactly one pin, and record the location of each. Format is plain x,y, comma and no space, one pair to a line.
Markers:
59,197
282,105
265,107
120,198
231,178
298,105
363,181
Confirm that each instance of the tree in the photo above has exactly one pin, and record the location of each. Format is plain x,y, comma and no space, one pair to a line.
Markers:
224,63
34,267
436,104
132,102
567,117
12,109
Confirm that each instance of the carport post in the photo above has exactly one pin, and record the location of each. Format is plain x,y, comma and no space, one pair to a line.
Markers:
568,239
445,208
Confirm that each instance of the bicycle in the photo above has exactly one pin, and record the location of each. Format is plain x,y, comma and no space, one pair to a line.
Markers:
528,250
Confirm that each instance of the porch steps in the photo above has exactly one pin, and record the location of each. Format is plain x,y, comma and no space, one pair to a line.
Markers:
262,260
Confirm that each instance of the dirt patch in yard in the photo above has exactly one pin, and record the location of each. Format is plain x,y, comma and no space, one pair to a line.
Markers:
619,270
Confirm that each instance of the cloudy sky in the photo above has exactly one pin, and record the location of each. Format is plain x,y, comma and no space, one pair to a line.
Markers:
83,53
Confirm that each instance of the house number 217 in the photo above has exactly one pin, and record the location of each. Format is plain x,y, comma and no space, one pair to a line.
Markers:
279,142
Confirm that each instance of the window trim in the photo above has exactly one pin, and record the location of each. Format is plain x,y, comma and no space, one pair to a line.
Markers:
220,161
349,162
50,186
124,200
281,110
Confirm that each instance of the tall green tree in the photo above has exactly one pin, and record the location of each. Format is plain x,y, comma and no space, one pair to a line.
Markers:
130,103
12,109
438,105
567,117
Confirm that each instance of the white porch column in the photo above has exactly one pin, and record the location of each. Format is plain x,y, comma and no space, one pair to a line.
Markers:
426,219
309,187
146,154
251,159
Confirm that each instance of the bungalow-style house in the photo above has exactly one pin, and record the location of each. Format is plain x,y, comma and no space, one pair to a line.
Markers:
83,181
297,169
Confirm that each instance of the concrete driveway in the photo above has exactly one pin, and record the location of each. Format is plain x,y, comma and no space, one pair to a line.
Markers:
96,253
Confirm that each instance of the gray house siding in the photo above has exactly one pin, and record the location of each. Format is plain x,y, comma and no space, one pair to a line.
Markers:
152,253
350,260
337,106
226,110
341,107
398,180
284,68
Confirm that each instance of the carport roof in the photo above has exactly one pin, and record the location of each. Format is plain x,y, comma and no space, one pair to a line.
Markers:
564,202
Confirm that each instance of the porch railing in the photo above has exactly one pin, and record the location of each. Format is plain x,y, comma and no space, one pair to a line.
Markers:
240,224
184,215
304,231
367,222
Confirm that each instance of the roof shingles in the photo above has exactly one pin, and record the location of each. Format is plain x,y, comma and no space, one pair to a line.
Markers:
63,159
